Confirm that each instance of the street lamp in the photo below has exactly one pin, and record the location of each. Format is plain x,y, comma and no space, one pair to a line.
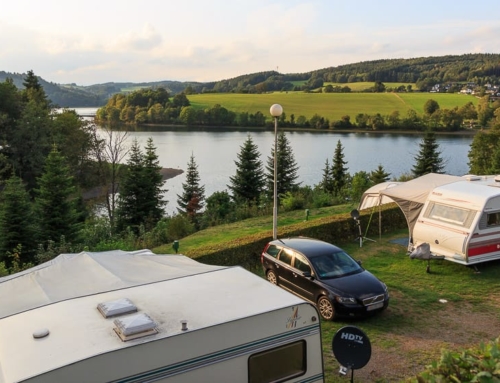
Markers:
276,111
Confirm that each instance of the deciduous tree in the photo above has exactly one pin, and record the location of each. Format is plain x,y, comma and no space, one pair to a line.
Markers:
108,150
430,107
483,152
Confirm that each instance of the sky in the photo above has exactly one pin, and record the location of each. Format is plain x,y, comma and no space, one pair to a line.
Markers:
92,42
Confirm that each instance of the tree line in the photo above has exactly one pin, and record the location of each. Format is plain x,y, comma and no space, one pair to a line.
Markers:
156,106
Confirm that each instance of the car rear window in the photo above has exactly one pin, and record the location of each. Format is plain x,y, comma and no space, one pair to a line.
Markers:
273,250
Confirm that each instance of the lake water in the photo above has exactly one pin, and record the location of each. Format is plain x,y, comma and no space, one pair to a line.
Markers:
215,152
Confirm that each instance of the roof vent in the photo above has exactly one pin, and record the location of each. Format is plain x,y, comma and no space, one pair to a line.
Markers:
135,326
472,177
118,307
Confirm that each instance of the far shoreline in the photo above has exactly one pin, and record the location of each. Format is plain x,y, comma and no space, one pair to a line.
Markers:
195,128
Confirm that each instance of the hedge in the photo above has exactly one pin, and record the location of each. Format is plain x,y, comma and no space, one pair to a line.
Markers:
336,229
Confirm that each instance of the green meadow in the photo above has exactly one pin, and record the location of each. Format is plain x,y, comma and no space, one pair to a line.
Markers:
328,105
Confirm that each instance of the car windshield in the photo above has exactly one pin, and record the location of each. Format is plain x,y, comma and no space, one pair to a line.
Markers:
335,265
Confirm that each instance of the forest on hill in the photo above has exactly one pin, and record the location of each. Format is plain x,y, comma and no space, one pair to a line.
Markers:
425,72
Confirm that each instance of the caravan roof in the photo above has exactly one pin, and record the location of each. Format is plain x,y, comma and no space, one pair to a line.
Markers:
61,298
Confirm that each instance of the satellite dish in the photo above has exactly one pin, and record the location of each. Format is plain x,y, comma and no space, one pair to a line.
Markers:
355,214
351,347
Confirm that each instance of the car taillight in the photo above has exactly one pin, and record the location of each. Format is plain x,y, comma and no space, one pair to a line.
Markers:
262,255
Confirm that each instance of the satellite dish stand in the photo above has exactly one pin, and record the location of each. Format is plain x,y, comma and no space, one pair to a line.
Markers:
360,238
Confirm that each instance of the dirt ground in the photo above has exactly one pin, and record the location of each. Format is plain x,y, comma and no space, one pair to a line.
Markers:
456,328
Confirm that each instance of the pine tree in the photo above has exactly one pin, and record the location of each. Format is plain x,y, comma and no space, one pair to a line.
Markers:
33,90
153,193
192,199
428,160
379,175
327,180
29,143
141,197
129,211
248,182
57,215
287,169
16,222
339,171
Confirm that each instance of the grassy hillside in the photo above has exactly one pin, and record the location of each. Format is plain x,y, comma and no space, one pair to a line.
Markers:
329,105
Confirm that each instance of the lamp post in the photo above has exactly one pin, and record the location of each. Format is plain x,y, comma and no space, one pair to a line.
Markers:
276,111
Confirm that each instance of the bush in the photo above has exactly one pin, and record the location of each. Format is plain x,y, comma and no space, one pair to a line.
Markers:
180,227
472,365
336,229
295,201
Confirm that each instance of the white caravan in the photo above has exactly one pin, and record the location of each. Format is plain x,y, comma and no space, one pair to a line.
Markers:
459,217
139,317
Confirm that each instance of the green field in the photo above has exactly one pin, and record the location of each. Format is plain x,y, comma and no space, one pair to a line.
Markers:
329,105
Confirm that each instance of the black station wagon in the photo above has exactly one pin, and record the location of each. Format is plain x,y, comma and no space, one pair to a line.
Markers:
325,275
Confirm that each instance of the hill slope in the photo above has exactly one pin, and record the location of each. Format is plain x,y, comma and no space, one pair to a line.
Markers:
424,71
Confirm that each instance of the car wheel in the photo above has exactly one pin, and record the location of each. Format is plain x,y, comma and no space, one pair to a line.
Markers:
325,308
271,277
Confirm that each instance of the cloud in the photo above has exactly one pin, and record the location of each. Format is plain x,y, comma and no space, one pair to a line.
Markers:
146,39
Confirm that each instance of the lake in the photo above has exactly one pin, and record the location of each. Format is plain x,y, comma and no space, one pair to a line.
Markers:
216,150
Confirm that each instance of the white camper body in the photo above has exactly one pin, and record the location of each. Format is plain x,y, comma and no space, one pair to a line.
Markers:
459,217
192,323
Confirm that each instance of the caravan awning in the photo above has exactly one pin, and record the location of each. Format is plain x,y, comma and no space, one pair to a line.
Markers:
410,196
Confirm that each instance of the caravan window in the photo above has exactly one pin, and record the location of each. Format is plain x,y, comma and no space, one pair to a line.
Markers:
278,364
449,214
493,219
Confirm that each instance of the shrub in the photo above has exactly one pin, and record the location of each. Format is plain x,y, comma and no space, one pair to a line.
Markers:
473,365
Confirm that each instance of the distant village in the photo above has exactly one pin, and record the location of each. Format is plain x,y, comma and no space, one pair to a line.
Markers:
470,88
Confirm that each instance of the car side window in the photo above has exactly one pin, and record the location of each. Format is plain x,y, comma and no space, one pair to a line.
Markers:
273,251
286,256
301,263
